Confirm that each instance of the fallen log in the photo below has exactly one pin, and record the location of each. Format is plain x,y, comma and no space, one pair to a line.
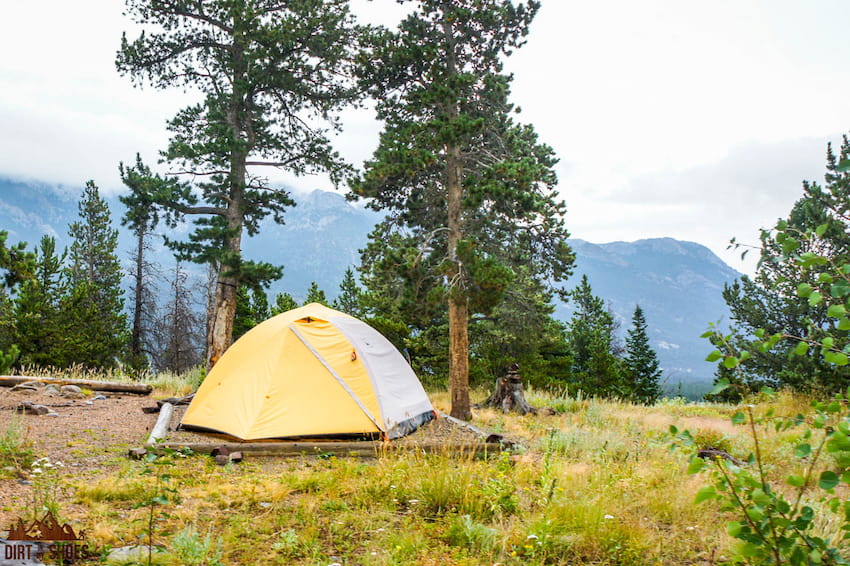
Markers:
464,424
94,385
717,454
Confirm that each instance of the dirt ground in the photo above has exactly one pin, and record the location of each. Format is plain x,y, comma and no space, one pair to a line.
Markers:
87,436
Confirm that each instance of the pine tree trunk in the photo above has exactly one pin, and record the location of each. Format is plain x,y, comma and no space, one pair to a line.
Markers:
459,359
220,334
458,310
221,326
138,290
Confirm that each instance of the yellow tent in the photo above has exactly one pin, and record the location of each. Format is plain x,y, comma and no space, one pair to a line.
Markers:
311,371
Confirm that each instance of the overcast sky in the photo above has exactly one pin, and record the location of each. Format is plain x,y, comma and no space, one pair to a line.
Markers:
676,118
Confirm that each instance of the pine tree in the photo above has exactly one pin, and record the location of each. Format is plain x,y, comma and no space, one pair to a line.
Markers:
7,320
521,330
252,308
37,308
141,216
591,337
283,302
349,298
642,367
771,302
94,326
16,263
315,295
270,73
469,190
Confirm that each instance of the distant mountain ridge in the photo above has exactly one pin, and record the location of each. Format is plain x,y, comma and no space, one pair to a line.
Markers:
678,284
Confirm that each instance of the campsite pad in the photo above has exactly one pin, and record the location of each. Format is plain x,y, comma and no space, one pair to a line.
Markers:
91,437
441,432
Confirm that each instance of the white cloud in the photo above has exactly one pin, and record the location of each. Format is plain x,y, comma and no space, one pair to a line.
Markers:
696,121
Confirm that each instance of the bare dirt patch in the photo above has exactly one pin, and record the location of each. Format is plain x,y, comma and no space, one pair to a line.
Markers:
90,437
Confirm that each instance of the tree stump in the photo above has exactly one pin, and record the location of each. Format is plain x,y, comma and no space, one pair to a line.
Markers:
508,394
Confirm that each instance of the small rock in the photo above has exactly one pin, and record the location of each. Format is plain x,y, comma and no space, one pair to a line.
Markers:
51,391
136,453
88,403
220,451
99,398
222,455
135,554
53,414
72,392
30,409
33,385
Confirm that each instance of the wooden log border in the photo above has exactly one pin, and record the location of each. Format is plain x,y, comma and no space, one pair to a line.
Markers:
291,449
364,449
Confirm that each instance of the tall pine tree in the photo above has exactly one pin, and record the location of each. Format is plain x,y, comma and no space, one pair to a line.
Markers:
592,341
16,263
349,299
283,302
252,308
642,368
37,308
771,302
315,295
270,72
141,216
468,189
94,326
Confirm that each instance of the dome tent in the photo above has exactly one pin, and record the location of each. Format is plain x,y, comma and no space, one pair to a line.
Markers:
311,371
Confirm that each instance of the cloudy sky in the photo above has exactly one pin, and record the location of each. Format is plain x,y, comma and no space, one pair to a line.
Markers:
672,118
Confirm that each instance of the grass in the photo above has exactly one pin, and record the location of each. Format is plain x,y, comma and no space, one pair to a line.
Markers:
16,451
596,483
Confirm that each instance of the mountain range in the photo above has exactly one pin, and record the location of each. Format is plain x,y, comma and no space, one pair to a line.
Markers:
678,284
